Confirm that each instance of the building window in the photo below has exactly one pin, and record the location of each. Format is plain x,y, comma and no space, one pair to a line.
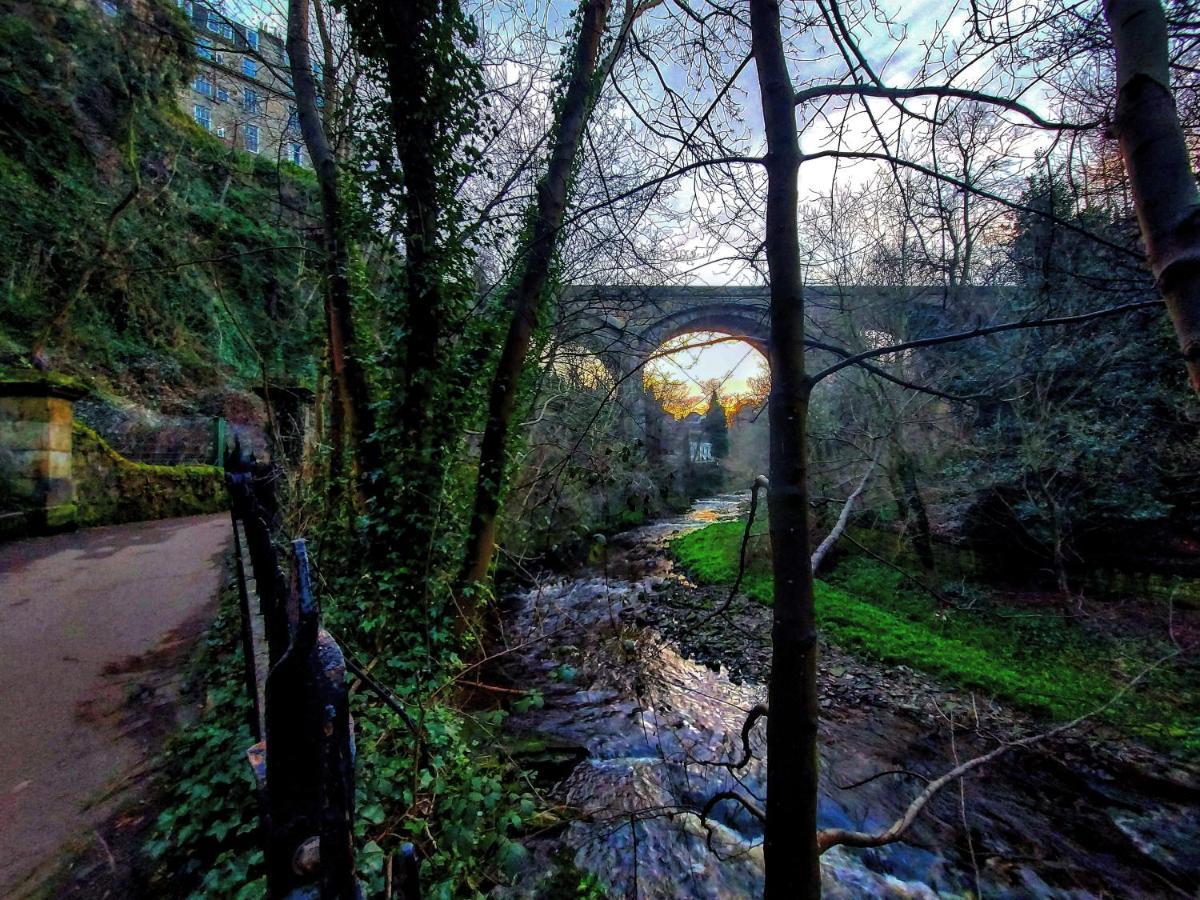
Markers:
293,121
204,48
203,85
296,157
222,95
252,138
220,131
203,116
252,38
249,67
250,101
220,26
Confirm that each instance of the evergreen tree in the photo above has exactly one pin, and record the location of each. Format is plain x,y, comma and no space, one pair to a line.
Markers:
716,429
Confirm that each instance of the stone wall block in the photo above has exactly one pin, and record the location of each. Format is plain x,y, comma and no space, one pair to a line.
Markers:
36,421
19,434
59,412
24,409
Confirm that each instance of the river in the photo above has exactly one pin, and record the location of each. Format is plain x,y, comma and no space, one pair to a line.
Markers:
629,729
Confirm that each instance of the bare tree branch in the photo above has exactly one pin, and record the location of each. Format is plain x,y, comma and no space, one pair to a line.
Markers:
821,91
831,837
982,331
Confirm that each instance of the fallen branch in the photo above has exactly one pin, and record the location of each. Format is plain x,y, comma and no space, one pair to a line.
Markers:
828,838
843,518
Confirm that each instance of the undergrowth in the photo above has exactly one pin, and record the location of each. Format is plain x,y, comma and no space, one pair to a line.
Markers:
1045,664
464,810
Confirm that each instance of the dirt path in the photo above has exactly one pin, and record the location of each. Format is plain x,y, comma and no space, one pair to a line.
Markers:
86,619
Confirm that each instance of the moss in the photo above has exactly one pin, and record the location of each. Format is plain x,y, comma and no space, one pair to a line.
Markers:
51,379
1046,665
111,489
85,105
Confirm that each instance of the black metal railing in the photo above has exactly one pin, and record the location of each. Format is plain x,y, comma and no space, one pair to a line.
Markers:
304,758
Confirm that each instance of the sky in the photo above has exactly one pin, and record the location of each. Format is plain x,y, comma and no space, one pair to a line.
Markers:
732,361
895,37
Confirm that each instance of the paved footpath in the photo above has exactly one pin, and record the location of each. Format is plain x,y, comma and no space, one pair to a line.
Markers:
79,613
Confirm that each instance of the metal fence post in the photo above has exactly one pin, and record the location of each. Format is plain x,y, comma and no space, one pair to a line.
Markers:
247,631
218,441
310,755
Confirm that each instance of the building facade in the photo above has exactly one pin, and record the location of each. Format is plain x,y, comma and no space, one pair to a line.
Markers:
242,90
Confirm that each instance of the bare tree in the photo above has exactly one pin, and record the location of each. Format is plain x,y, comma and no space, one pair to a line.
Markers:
790,844
588,72
1160,171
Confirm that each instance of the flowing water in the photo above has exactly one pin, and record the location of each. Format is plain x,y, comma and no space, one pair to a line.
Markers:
632,730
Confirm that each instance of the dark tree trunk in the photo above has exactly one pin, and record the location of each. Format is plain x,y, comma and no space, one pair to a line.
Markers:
916,515
408,32
1160,172
527,296
790,845
353,419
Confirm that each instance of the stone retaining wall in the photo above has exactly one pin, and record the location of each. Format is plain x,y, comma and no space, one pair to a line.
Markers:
56,473
111,489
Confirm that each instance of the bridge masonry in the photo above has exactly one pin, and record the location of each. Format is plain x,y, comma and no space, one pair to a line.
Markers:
625,324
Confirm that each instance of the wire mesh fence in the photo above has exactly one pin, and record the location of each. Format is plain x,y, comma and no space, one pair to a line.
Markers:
146,436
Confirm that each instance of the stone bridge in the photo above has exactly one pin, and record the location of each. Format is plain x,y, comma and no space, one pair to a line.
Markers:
624,325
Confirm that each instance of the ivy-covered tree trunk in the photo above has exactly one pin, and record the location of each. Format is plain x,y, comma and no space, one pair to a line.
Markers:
1160,171
527,296
352,417
790,844
431,87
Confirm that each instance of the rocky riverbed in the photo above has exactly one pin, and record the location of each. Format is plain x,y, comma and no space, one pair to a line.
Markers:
644,691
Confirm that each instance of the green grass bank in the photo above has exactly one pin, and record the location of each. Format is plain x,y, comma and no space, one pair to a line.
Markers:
1048,665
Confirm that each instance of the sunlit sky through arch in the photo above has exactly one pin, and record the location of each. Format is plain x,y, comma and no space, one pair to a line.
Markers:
704,357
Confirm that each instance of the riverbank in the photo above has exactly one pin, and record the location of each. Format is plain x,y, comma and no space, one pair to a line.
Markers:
1052,663
635,725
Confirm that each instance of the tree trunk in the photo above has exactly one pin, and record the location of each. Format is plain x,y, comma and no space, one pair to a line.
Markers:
1160,172
916,513
792,860
411,62
527,296
354,420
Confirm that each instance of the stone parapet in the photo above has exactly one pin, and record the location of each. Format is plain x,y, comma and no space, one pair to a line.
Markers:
37,491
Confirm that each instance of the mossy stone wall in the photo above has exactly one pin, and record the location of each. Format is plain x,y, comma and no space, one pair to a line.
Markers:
110,489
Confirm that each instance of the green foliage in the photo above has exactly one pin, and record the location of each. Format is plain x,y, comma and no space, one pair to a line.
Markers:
1046,664
111,195
205,842
464,810
1091,452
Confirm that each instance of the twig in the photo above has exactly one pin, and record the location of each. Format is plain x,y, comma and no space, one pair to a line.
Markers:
112,863
756,713
759,482
908,576
831,837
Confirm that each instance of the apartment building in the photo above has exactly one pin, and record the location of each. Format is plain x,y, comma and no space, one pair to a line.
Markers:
242,90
